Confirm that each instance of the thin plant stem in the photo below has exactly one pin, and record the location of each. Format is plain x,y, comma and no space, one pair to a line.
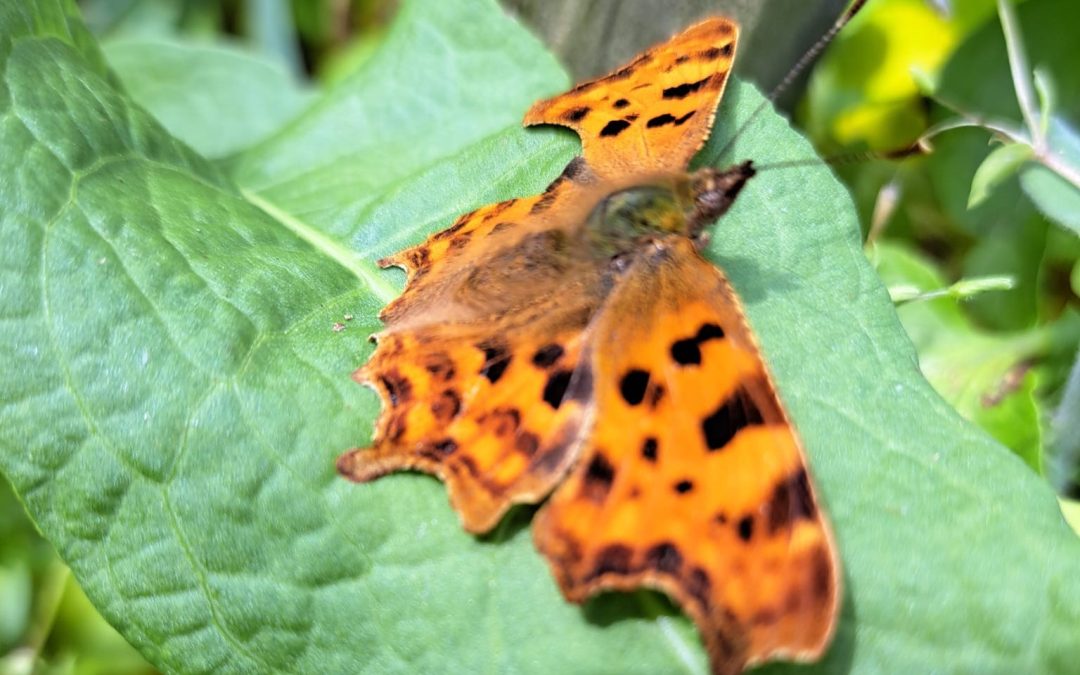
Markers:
1021,72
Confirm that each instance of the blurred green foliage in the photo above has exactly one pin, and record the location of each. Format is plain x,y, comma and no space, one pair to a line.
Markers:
978,205
975,207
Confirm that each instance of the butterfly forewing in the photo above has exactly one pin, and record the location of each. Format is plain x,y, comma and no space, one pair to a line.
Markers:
653,114
692,479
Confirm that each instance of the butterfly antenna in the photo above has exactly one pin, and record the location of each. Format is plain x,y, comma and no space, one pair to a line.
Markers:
798,68
916,148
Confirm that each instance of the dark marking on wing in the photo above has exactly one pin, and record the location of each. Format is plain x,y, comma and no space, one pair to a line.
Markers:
575,169
620,103
649,449
737,412
447,406
527,443
441,366
395,427
790,501
496,211
576,114
745,527
684,486
547,199
821,578
709,331
632,386
398,389
496,359
556,386
445,447
664,557
547,355
614,559
599,476
684,90
503,421
614,128
686,352
661,120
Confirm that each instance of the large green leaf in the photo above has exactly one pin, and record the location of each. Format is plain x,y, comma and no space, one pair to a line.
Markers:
187,87
173,394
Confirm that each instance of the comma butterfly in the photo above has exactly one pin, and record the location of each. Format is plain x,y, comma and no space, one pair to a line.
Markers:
575,343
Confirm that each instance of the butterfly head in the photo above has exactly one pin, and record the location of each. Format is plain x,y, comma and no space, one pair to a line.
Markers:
682,204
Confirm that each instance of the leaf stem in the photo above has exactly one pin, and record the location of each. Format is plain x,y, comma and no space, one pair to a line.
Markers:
1021,72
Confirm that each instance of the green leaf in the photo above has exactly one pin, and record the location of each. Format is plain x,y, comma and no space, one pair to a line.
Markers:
999,165
1058,199
217,98
985,376
1046,186
173,395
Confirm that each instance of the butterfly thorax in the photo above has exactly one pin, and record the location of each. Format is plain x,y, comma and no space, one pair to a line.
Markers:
683,204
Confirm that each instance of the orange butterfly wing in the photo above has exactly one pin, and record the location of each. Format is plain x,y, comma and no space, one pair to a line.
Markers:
478,365
692,480
652,115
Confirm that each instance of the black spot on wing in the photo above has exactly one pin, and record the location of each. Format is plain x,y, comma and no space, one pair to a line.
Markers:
556,386
398,389
790,502
445,447
614,559
614,128
620,104
441,366
527,443
599,476
547,355
713,53
502,421
664,557
745,527
576,114
709,331
661,120
738,412
686,352
649,449
446,406
684,90
496,359
684,486
632,386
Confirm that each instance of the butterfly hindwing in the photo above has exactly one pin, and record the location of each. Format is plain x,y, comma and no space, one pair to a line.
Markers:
478,367
692,480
